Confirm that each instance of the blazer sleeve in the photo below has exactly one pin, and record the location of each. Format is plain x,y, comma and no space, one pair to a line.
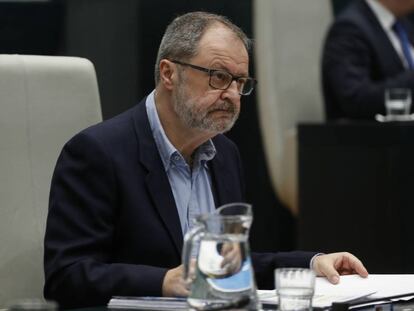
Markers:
79,270
349,65
264,265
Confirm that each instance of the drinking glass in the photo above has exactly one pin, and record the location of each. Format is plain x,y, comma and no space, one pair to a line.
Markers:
397,102
295,288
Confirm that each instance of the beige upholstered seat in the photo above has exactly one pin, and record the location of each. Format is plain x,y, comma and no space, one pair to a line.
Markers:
289,35
44,100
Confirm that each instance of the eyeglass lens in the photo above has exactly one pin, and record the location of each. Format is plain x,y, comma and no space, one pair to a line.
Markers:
222,80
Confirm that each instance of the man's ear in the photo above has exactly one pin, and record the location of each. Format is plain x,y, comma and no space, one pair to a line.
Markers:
168,73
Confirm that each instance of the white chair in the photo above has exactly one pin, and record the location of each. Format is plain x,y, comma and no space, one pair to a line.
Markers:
289,36
44,100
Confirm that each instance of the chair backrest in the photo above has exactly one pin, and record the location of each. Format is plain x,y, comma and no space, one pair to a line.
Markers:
289,36
44,100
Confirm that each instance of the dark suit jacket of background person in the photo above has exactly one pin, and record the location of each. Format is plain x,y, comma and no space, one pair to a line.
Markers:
359,63
113,226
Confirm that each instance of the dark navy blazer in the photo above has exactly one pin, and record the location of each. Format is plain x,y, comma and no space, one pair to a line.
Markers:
113,227
359,63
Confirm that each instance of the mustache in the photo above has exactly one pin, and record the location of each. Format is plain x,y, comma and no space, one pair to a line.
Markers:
224,105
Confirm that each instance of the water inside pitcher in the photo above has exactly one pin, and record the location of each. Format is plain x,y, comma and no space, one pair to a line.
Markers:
223,275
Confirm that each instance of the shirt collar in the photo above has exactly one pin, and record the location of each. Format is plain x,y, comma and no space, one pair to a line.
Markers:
205,152
169,154
384,16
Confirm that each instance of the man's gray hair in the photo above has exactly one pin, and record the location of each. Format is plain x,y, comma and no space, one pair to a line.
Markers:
181,38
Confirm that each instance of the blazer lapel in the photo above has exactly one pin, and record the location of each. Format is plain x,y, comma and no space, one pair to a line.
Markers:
389,56
156,180
221,180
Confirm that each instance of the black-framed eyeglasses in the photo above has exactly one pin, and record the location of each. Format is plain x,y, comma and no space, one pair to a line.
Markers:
221,79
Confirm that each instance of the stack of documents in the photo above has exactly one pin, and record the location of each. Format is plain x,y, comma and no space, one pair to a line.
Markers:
148,303
352,287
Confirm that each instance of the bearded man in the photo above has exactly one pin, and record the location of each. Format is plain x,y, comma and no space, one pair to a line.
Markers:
125,191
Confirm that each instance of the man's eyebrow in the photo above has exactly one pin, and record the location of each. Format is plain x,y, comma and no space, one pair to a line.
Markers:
220,66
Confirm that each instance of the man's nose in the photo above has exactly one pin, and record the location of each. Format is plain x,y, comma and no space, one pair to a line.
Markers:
232,90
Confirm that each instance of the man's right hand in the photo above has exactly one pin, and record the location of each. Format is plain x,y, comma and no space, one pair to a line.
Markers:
174,284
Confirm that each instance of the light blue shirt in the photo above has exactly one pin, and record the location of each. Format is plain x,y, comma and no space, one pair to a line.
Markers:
191,187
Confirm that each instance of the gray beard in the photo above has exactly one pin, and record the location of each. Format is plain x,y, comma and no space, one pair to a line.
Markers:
200,120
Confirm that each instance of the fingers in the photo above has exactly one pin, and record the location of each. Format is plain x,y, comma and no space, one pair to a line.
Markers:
357,266
327,269
227,248
231,257
174,285
335,264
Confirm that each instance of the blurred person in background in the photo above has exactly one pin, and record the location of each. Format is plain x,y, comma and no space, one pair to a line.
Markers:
368,49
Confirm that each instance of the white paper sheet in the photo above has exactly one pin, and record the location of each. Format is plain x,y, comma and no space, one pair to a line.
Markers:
353,286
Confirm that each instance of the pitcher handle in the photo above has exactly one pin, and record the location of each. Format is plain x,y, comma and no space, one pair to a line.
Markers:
189,239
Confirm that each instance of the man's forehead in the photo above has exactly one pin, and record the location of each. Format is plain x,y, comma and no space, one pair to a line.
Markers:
220,42
220,32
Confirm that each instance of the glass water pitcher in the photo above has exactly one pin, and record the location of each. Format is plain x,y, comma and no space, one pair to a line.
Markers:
221,275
